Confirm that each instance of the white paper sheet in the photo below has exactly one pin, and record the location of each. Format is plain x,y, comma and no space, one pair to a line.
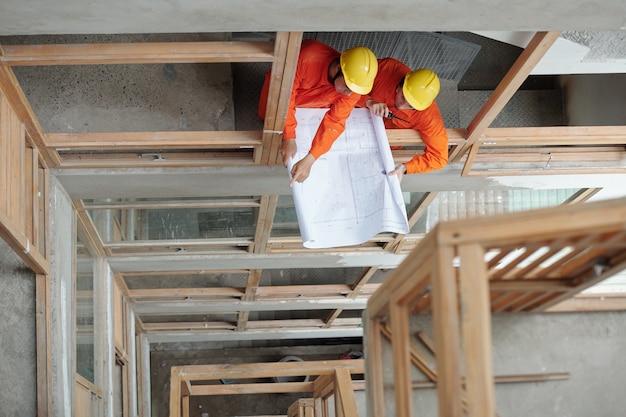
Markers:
348,197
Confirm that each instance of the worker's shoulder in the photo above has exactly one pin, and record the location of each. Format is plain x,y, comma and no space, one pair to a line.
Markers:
392,64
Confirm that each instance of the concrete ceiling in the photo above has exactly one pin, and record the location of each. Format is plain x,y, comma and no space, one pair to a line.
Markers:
154,16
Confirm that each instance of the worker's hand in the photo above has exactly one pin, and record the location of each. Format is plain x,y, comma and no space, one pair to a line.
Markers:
379,109
301,170
400,170
288,149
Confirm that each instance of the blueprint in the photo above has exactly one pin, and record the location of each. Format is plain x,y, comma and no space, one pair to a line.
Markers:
348,197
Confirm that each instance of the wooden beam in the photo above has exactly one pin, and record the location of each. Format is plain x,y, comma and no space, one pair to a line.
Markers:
399,318
233,306
447,333
252,285
286,52
590,302
76,141
22,246
346,400
137,53
169,204
187,293
553,135
265,221
257,388
266,370
10,87
42,299
373,341
476,329
175,392
532,54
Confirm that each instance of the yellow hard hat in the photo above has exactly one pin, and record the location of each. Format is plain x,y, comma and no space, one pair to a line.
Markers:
421,88
359,67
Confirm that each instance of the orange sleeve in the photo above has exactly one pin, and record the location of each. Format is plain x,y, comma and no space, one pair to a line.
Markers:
435,138
333,124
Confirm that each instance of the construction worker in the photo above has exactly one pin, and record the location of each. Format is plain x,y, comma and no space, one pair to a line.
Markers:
406,100
324,78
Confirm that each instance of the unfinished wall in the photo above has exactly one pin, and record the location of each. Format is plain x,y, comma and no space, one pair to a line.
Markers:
590,346
18,358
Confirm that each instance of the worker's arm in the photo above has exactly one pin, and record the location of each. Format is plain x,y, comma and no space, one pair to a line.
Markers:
435,138
301,169
333,124
288,149
379,109
399,170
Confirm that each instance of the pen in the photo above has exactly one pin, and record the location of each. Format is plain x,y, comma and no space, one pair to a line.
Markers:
390,115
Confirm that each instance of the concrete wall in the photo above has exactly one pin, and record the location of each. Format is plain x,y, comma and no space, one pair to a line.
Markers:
590,346
18,356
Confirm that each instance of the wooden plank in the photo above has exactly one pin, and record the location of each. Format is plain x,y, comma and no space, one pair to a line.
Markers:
185,401
514,78
446,333
258,388
187,326
16,239
220,292
476,329
413,272
410,137
43,344
160,160
137,53
10,86
31,189
175,391
76,141
554,135
376,389
323,385
17,149
170,204
286,52
590,302
265,221
265,370
537,225
346,400
5,152
399,317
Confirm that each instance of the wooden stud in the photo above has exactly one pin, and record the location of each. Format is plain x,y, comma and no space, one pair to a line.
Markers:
476,329
137,53
446,333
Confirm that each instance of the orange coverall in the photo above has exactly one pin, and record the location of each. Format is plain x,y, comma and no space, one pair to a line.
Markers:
427,122
311,88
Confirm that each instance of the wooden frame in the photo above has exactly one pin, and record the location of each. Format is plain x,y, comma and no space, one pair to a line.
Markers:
464,270
23,217
187,381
